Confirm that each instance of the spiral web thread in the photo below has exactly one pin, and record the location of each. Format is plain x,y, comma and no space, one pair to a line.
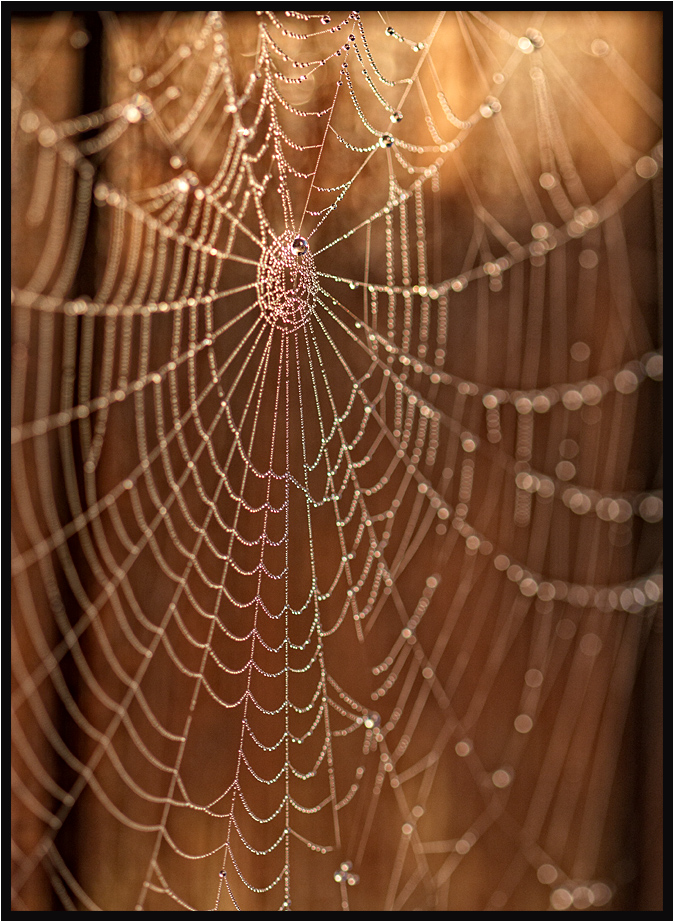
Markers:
330,536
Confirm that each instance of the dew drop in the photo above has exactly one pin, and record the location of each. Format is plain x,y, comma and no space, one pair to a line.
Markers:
565,470
79,39
132,114
653,366
601,893
651,509
490,107
463,748
599,47
535,38
501,778
30,122
533,678
561,898
523,723
646,167
626,382
299,246
547,874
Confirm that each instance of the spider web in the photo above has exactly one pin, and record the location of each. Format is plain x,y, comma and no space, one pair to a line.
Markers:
335,508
